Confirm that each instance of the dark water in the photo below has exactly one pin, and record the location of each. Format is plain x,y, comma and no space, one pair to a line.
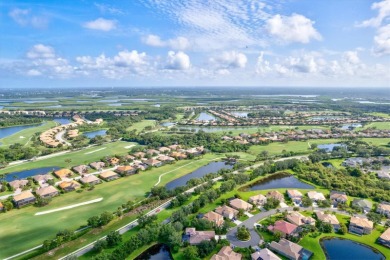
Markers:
277,181
7,131
27,173
205,116
156,252
329,147
202,171
63,121
95,133
341,249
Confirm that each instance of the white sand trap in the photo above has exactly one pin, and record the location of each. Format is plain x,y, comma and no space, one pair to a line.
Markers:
129,146
69,207
22,137
96,150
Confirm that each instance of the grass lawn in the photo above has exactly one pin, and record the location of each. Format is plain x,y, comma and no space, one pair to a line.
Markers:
24,136
139,126
378,125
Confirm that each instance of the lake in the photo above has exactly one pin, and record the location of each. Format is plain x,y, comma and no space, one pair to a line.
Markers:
205,117
279,180
168,124
340,249
202,171
156,252
351,126
239,113
7,131
330,147
63,120
95,133
27,173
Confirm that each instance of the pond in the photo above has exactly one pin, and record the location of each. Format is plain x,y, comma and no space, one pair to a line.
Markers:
206,117
27,173
338,249
63,120
95,133
7,131
279,180
202,171
330,147
239,113
156,252
168,124
351,126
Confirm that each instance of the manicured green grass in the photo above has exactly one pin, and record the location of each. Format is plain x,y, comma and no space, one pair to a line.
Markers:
378,125
139,126
23,137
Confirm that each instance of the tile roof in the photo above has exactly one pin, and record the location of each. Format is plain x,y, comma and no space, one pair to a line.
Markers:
23,195
226,253
284,227
264,254
361,222
46,190
386,235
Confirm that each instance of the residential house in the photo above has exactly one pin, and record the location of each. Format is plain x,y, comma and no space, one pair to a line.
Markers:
226,253
166,159
384,209
42,179
363,204
178,155
328,218
195,151
90,179
97,165
113,161
164,150
81,169
139,155
152,152
194,237
285,228
130,158
153,163
174,147
316,196
47,192
338,197
264,254
275,195
18,184
109,175
227,211
240,204
360,226
24,198
126,170
216,218
298,219
63,173
69,185
140,166
290,250
295,195
384,239
259,200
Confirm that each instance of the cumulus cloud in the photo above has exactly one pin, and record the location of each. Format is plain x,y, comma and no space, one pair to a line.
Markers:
295,28
230,59
351,57
382,41
179,43
24,17
383,13
101,24
178,61
105,8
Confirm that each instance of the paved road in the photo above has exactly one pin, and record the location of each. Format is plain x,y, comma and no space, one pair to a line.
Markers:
60,138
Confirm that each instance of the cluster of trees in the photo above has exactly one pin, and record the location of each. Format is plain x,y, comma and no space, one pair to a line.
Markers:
266,113
6,121
16,152
272,167
61,237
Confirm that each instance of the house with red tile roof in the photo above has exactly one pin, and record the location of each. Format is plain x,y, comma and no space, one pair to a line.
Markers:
285,228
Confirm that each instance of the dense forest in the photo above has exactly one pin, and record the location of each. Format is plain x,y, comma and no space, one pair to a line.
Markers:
6,121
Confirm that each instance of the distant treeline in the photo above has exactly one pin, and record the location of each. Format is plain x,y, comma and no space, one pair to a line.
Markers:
6,121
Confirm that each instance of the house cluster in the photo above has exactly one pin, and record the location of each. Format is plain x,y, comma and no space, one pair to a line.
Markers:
49,137
379,165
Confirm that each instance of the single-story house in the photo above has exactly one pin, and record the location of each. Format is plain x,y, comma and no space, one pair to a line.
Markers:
285,228
316,196
63,173
295,195
178,155
42,178
363,204
130,157
298,219
152,152
216,218
384,239
90,179
139,155
24,198
275,195
290,250
81,169
47,192
97,165
109,175
194,237
141,166
126,170
113,161
165,158
164,150
360,226
174,147
226,253
240,204
154,163
16,184
227,211
328,218
259,199
264,254
69,185
338,197
384,209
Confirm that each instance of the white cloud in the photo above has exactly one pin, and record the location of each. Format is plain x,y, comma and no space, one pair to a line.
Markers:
295,28
41,51
179,43
34,72
230,59
383,13
352,57
105,8
23,17
262,66
382,41
101,24
178,61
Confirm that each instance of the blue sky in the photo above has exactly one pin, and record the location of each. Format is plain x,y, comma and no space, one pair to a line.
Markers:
195,43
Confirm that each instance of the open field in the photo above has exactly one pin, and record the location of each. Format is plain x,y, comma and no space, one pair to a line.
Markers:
378,125
139,126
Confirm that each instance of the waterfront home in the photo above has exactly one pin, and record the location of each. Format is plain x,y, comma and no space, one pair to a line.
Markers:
295,195
298,219
384,239
240,204
47,192
259,200
42,179
227,211
194,237
24,198
360,226
126,170
290,250
69,185
328,218
18,184
338,197
264,254
153,163
285,228
384,209
81,169
275,195
362,204
97,165
109,175
63,173
226,253
90,179
216,218
316,196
